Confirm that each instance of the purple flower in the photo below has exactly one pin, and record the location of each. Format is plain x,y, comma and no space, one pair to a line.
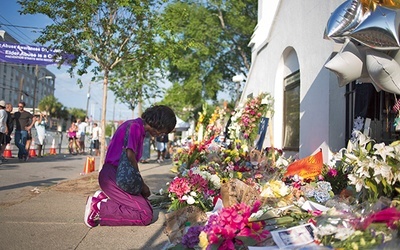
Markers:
191,238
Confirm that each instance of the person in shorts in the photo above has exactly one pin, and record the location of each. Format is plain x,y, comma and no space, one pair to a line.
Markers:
162,147
3,128
96,132
80,135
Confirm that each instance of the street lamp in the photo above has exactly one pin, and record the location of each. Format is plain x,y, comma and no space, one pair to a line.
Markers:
35,87
238,79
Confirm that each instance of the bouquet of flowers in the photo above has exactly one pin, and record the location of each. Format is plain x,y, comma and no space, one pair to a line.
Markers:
216,123
320,191
230,228
194,187
186,158
336,176
245,120
269,164
346,230
373,167
316,189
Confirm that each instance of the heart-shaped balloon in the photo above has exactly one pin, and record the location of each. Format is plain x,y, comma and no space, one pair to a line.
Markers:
344,19
379,30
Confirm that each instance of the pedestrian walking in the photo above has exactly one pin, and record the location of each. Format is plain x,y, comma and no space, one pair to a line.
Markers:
10,128
162,147
23,123
40,126
3,128
146,149
73,145
113,206
96,133
80,135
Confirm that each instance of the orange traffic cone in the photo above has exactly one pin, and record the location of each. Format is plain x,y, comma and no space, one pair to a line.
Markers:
53,150
32,150
89,165
7,152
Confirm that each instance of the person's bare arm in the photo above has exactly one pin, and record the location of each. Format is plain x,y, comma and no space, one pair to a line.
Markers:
132,158
31,125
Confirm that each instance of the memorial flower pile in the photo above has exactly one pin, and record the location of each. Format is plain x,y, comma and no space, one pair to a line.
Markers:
262,191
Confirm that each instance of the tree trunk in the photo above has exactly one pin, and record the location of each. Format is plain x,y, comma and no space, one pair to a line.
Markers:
103,121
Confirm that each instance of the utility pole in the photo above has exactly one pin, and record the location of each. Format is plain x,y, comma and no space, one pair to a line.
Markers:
21,84
87,102
34,88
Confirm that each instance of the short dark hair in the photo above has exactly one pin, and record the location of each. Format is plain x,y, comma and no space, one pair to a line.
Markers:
23,103
160,117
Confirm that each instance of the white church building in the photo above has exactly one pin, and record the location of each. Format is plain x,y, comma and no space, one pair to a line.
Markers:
312,111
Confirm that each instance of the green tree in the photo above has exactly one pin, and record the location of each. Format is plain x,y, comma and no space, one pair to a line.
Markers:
110,128
206,44
77,114
53,107
99,32
136,81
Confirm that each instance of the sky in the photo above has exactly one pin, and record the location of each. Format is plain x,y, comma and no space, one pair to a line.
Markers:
67,90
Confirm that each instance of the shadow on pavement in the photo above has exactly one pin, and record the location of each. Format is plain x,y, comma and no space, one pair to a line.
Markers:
42,183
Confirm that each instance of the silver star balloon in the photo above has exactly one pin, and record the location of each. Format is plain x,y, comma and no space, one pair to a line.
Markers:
380,30
383,70
349,64
344,19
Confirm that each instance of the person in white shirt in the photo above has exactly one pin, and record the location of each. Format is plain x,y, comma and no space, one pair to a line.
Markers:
40,125
81,134
3,128
96,133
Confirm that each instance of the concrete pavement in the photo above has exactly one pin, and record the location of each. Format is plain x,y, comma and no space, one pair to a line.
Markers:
42,204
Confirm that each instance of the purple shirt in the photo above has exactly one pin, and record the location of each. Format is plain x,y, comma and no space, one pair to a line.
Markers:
135,141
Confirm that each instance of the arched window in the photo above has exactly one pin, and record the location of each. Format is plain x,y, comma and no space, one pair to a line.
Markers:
291,110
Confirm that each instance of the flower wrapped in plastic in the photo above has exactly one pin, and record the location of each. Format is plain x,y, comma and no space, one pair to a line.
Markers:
347,230
194,187
373,168
186,158
231,228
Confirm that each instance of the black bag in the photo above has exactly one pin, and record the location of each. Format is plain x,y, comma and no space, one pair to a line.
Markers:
128,178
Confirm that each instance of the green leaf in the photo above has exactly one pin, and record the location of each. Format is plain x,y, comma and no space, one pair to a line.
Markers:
247,241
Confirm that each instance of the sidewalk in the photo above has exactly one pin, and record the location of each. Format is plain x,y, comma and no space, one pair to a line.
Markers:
48,213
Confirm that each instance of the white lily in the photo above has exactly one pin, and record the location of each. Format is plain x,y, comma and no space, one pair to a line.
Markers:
381,168
382,150
358,182
363,169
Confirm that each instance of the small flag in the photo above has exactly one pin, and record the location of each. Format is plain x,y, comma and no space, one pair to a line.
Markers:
396,106
307,168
